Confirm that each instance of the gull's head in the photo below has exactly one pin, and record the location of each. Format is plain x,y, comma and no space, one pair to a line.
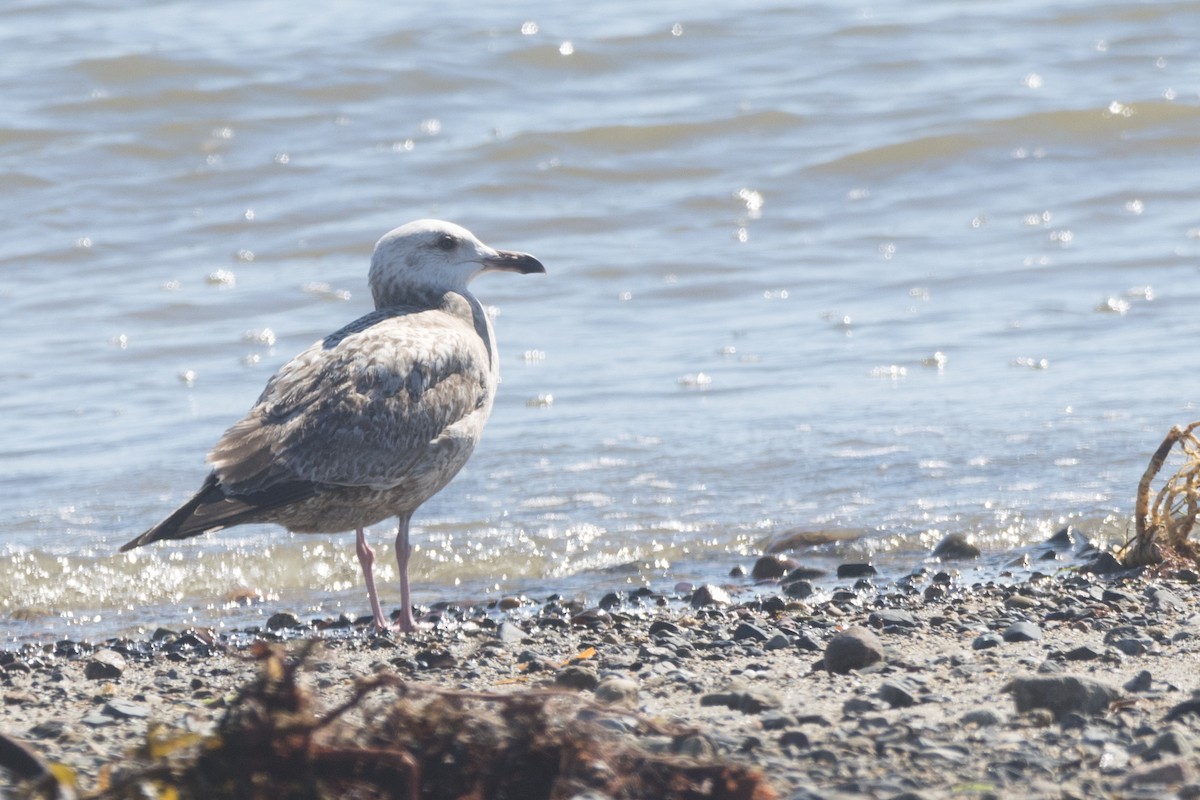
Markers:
430,255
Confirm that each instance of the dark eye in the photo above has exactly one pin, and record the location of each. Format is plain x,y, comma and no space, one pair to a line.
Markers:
447,242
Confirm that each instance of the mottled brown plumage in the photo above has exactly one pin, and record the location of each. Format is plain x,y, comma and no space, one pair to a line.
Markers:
373,420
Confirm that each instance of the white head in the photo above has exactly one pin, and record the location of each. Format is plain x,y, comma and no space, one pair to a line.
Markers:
435,256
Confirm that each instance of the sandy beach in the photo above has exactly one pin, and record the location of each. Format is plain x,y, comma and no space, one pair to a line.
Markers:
1076,685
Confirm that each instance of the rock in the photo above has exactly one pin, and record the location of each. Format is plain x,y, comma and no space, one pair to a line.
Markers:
800,589
125,709
710,595
742,697
1132,647
1165,600
853,649
1021,602
897,694
1104,564
577,677
104,665
1082,653
984,718
1066,537
617,690
1140,682
986,641
1170,773
1171,742
956,547
510,633
769,568
856,570
1062,694
1022,631
794,739
778,642
747,632
281,620
892,618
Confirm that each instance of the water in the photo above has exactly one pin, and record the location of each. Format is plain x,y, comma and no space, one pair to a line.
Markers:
898,270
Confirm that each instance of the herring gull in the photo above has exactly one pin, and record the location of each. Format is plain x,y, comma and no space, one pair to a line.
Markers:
373,420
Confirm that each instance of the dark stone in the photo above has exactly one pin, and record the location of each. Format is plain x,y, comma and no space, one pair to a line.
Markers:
856,570
769,568
1062,694
120,708
892,617
660,626
805,574
610,601
281,620
1022,631
794,739
853,649
778,642
798,589
577,677
104,665
617,690
983,718
955,547
1065,537
1165,599
1104,564
1140,682
1021,602
744,698
592,618
1082,653
986,641
747,632
806,642
1132,647
710,595
897,694
1171,742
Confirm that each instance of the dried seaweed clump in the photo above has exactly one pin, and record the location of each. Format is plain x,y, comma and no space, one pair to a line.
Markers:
394,739
1164,522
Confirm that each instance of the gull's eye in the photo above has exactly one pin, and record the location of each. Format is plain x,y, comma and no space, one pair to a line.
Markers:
447,242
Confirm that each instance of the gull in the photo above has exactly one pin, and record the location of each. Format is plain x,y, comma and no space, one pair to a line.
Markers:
374,419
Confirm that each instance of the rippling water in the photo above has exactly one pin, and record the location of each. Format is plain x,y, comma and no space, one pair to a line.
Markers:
898,270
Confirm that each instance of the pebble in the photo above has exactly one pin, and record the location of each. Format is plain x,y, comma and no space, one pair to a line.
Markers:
853,649
282,620
897,694
104,665
577,677
510,633
1062,694
856,570
617,690
1022,631
892,617
771,568
956,547
747,632
743,697
710,595
986,641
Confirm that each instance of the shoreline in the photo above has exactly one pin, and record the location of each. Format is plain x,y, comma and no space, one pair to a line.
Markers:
1073,685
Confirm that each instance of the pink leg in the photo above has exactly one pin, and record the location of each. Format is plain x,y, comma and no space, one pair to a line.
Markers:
366,557
406,622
